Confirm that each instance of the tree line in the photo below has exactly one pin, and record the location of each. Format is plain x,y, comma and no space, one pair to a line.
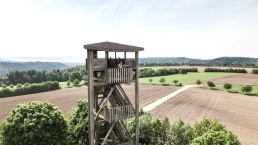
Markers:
33,76
150,72
222,61
231,70
255,71
43,124
29,89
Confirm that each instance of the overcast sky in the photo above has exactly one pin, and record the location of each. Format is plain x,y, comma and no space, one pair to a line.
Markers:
166,28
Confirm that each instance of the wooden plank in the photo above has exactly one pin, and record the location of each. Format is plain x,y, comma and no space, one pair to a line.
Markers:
137,131
99,64
90,97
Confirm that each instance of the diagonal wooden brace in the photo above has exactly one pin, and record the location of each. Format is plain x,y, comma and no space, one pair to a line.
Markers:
105,100
106,137
120,90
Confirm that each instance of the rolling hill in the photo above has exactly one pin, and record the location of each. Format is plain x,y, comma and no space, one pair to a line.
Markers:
8,66
221,61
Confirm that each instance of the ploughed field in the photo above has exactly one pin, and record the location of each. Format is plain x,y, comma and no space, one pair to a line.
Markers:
238,79
65,99
239,113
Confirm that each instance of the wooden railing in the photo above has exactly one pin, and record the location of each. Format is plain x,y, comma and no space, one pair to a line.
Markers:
100,64
118,113
119,75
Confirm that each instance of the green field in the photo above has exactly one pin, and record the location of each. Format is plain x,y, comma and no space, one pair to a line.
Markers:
186,79
236,89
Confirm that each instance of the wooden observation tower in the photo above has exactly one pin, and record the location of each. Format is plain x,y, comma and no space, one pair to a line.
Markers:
108,103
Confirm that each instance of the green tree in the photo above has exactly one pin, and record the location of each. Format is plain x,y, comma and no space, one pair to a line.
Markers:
165,126
26,84
34,123
1,138
78,124
227,86
175,82
183,71
150,80
4,86
247,89
153,131
68,84
85,78
211,84
180,133
198,82
75,75
216,138
19,85
206,125
162,80
76,82
11,86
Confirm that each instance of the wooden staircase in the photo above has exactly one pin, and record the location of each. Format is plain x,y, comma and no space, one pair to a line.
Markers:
116,108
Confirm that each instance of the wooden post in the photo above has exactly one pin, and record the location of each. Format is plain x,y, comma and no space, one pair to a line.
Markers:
137,131
90,96
107,59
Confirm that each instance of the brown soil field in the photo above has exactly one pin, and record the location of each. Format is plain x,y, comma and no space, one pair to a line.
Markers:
66,99
238,79
202,68
239,113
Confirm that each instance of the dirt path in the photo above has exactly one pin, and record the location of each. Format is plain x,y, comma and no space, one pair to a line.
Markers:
165,98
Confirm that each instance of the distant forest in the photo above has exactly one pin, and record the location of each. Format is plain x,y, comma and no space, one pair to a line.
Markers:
34,76
7,66
222,61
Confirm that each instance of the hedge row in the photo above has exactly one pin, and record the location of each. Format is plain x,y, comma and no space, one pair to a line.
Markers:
225,70
30,89
149,72
255,71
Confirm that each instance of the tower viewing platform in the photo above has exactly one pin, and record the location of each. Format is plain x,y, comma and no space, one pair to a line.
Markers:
109,105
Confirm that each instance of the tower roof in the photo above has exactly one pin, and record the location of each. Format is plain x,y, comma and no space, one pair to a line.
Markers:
114,47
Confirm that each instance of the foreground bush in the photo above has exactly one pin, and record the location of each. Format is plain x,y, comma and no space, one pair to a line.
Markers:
216,138
209,132
38,123
180,133
206,125
1,138
153,131
78,124
34,123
